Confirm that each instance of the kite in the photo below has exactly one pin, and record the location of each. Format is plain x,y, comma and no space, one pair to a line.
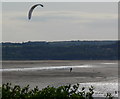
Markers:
31,10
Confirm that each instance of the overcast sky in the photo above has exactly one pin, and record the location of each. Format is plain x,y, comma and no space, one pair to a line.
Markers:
60,21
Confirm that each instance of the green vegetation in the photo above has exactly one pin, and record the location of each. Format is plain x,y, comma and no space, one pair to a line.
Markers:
62,92
64,50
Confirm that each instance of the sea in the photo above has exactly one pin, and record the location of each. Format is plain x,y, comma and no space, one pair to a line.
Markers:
101,74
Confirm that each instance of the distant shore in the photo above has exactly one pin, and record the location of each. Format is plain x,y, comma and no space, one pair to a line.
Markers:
61,50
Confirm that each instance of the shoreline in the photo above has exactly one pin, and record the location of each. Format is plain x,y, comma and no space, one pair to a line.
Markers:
99,72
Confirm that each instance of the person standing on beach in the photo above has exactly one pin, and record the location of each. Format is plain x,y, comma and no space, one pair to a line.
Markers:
70,69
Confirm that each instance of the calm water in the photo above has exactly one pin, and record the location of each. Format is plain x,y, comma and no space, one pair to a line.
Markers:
101,74
46,65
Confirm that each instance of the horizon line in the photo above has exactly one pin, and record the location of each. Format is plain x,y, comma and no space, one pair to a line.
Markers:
53,41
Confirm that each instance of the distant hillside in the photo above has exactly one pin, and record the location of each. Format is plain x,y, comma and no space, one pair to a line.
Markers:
62,50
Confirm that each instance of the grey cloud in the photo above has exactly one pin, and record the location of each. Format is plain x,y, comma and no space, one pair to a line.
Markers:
60,21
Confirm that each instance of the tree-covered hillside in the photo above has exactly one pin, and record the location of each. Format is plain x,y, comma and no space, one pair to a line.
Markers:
62,50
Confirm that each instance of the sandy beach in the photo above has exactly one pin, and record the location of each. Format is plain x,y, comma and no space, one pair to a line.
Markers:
96,73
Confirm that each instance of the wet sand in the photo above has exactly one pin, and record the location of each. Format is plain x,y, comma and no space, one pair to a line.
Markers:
43,78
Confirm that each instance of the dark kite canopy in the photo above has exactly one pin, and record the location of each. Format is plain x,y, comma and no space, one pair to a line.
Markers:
31,10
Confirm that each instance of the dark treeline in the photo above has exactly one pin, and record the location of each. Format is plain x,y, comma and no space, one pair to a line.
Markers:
62,50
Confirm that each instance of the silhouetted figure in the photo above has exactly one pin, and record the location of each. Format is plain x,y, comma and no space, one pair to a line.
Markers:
115,92
70,69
